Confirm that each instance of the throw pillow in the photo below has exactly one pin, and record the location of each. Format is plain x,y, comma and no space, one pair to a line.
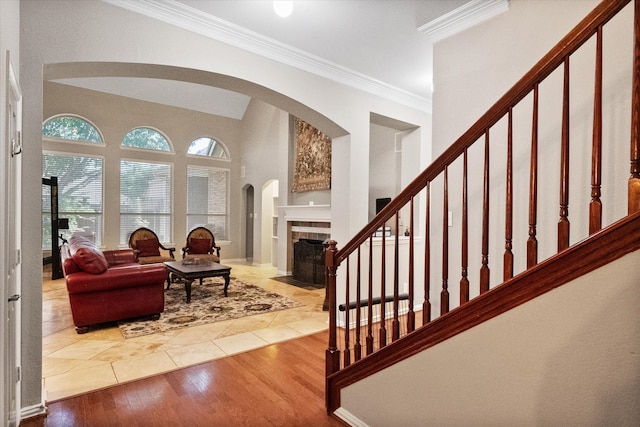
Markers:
77,241
148,247
199,246
90,259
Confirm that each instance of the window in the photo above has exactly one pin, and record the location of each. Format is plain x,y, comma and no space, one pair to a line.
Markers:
146,138
208,147
207,199
145,199
79,194
71,128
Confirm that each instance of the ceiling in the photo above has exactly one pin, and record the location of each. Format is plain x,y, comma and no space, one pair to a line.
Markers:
384,46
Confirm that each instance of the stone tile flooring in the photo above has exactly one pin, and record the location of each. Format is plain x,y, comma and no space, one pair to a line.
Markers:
75,364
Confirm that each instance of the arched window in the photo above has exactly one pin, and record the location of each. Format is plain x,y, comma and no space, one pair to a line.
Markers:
147,138
209,147
72,128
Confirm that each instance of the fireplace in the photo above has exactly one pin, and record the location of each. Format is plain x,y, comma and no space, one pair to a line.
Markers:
308,261
310,224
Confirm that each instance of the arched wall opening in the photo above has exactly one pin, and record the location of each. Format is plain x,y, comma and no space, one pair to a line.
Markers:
250,238
58,42
59,71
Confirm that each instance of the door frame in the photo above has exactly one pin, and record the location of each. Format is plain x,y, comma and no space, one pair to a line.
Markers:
10,229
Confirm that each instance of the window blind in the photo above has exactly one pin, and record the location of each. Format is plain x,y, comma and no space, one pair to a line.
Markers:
145,199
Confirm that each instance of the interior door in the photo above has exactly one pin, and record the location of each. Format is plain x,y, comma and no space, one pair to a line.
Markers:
11,248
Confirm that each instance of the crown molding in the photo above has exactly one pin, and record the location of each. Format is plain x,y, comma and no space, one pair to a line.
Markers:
462,18
188,18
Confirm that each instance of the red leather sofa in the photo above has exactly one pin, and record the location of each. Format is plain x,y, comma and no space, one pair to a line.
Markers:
109,286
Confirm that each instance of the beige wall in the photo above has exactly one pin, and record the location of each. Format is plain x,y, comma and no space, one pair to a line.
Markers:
569,357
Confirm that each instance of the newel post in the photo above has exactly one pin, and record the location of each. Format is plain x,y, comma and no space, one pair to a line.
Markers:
332,354
634,179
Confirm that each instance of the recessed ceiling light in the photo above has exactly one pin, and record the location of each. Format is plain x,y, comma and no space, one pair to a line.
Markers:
283,8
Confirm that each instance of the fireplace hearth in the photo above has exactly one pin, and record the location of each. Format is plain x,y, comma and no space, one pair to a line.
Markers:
308,261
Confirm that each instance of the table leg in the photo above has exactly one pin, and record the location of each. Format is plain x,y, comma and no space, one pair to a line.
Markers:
187,287
226,284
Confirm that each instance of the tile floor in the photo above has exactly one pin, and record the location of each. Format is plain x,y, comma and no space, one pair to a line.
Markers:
74,364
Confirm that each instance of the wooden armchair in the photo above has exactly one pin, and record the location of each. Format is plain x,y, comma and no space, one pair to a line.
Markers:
201,244
148,247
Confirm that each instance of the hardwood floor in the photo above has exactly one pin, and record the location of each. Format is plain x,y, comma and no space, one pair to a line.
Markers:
278,385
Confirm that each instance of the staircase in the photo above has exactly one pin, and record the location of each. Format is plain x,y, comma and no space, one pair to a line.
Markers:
391,297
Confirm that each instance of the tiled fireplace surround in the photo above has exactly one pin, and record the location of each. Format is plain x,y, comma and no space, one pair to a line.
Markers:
306,222
306,230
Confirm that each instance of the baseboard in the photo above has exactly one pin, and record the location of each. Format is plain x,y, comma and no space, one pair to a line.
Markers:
349,418
264,265
38,410
235,261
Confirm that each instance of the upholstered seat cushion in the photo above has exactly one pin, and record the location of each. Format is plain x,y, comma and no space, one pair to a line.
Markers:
154,259
199,246
148,247
203,257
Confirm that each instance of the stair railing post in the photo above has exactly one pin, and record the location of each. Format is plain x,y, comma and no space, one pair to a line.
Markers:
332,354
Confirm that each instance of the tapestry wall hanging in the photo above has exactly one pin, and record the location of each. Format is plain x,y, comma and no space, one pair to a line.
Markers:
312,169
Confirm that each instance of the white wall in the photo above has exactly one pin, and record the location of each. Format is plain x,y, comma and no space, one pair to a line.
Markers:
261,145
474,68
565,358
384,165
56,35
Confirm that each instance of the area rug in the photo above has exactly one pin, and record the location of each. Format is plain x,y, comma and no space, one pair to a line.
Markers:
208,305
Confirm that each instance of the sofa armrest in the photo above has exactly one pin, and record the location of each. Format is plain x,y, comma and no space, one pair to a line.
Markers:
120,256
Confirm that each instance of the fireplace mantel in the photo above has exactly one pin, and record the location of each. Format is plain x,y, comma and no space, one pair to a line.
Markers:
310,213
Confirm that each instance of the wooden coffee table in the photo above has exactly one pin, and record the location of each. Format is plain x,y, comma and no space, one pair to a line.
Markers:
190,272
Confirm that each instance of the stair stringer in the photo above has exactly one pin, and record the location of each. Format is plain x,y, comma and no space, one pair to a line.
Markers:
568,357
